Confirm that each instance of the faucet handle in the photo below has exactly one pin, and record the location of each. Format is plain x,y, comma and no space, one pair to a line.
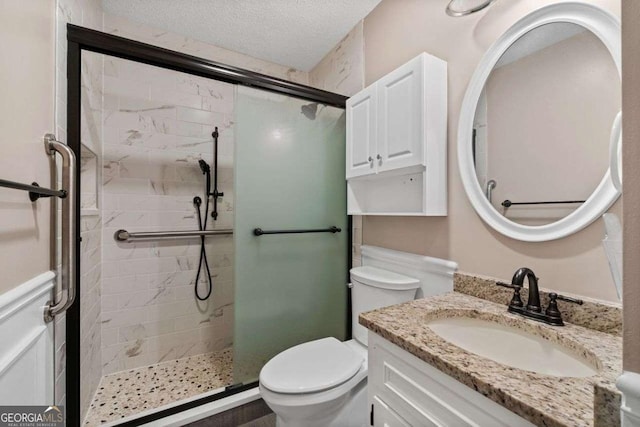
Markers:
569,299
516,300
509,285
552,310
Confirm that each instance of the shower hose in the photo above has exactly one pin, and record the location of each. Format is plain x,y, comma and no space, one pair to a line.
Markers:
202,225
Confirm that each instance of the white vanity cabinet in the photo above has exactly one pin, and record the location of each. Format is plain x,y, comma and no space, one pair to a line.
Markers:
406,391
397,142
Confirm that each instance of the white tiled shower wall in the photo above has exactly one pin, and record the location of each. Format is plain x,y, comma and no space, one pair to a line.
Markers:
90,231
157,125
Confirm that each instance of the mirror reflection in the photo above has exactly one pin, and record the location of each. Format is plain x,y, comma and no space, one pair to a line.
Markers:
543,123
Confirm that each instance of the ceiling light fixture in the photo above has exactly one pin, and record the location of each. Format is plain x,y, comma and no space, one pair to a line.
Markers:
466,7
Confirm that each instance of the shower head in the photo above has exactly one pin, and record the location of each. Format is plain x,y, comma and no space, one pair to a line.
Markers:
204,167
310,110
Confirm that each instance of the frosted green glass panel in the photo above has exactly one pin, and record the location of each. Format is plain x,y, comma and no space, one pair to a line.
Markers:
290,174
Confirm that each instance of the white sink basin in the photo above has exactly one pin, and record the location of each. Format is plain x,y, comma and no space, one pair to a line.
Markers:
512,347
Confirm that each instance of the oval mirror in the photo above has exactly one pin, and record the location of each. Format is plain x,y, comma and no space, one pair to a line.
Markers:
539,121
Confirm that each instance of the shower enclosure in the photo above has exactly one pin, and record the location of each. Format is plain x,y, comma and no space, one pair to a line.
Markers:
213,227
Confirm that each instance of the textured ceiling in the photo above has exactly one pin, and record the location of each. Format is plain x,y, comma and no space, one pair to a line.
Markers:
295,33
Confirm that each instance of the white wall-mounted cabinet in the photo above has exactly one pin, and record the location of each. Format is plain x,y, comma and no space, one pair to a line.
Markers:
397,142
361,132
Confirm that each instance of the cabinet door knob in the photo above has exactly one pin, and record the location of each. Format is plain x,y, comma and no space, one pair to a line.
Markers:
379,157
370,159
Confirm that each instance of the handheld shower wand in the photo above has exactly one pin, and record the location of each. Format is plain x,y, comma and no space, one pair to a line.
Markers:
204,167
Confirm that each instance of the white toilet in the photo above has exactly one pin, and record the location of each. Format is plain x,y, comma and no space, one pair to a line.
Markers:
323,383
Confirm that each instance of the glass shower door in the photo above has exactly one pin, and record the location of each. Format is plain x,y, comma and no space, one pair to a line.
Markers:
290,175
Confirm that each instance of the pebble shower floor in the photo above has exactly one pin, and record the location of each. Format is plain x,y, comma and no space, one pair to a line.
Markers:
130,392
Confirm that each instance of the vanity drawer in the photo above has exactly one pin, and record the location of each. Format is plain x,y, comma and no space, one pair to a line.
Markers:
425,396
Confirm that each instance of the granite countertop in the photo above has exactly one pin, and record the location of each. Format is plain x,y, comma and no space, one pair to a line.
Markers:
542,399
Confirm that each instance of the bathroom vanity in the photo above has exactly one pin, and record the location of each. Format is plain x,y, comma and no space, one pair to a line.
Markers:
417,377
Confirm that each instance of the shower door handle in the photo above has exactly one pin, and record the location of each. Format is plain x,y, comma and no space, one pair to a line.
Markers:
68,229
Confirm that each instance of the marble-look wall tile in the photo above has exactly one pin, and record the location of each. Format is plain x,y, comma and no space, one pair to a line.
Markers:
356,244
90,309
91,137
126,28
342,69
157,126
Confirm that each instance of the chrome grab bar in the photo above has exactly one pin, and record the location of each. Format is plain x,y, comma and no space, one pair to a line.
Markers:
125,236
69,237
491,184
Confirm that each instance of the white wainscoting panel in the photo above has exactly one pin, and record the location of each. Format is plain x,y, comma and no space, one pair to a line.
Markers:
629,385
26,349
435,274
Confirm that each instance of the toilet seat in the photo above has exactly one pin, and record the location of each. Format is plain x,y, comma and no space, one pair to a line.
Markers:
301,400
308,399
311,367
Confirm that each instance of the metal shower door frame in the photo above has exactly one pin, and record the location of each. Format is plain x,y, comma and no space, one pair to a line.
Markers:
79,39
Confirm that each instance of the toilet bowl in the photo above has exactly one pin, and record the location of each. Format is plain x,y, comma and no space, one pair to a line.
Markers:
323,383
337,405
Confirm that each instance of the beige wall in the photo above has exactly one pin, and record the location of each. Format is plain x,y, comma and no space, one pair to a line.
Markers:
26,114
564,151
398,30
631,154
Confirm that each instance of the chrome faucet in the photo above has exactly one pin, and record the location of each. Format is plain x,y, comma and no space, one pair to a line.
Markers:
533,309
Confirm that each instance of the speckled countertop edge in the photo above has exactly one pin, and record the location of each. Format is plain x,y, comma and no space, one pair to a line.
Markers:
544,400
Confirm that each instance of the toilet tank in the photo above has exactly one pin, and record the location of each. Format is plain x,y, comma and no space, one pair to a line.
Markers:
373,288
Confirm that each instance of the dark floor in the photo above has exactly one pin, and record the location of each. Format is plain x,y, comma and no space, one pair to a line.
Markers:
253,414
266,421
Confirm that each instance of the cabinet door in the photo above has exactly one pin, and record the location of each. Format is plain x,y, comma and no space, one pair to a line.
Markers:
424,396
401,110
384,416
361,133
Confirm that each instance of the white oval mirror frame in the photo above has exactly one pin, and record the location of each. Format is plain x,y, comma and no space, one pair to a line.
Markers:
615,152
607,28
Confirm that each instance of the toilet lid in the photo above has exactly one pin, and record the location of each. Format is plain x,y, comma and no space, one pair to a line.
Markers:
313,366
